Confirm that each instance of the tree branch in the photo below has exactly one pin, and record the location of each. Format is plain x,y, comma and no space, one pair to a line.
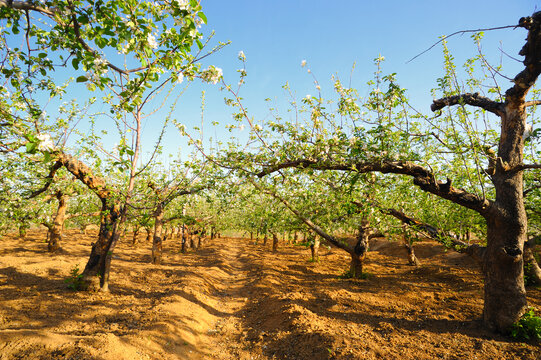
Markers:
304,219
422,177
531,52
475,251
84,174
532,103
469,99
28,6
48,180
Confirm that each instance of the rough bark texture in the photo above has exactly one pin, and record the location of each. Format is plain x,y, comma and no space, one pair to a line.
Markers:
55,231
96,272
505,296
274,242
359,251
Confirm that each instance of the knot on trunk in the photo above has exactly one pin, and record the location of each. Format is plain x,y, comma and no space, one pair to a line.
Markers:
513,251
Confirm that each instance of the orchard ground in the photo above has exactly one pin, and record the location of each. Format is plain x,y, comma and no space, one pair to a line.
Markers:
233,299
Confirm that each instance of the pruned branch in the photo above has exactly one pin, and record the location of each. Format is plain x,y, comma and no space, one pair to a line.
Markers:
531,51
525,167
422,177
469,99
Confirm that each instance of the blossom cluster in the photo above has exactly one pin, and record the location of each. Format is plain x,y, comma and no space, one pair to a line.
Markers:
45,142
213,74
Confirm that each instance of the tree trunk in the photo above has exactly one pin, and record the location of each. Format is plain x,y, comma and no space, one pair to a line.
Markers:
359,251
412,259
55,231
22,231
295,238
95,274
192,240
135,234
149,235
274,242
314,248
408,244
265,238
157,243
531,268
183,239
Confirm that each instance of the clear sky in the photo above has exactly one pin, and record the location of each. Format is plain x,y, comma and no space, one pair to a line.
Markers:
331,36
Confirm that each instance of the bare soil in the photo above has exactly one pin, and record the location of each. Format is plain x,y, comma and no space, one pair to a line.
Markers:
233,299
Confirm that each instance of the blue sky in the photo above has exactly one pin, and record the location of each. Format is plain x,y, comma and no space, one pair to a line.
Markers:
331,36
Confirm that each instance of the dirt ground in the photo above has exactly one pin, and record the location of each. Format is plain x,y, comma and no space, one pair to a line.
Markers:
233,299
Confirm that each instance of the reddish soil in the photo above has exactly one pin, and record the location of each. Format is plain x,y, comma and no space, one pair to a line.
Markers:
233,299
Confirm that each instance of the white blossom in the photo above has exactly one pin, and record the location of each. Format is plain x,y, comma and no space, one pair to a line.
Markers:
180,77
303,63
98,61
242,57
213,74
527,131
45,142
151,39
182,4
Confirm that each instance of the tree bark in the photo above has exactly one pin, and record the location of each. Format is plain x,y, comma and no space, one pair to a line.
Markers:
95,274
55,231
359,251
192,240
135,234
274,242
314,248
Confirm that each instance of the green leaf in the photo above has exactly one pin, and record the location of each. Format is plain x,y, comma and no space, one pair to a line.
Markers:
199,44
75,64
46,156
202,16
31,147
82,79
